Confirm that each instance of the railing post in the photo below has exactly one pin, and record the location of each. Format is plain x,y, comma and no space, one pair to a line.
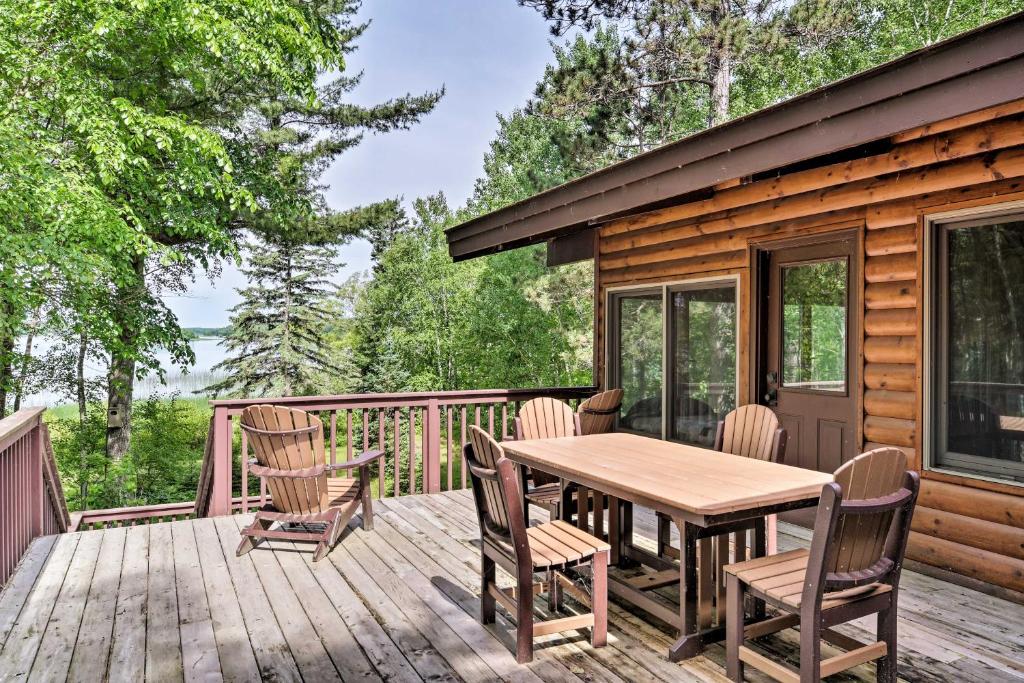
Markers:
220,502
432,456
35,482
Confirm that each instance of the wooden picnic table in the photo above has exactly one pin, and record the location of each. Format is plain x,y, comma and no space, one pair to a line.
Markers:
705,492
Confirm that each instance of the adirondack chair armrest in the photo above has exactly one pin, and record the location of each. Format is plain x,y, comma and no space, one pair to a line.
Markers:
364,459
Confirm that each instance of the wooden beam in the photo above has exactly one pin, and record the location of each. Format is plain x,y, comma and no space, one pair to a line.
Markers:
980,504
976,563
899,404
1001,539
946,147
986,114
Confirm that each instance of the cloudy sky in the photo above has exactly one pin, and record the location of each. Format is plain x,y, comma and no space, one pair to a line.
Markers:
487,53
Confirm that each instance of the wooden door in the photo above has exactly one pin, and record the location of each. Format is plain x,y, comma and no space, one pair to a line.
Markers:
809,373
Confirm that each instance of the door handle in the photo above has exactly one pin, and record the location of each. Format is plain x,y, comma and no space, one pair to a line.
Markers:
771,396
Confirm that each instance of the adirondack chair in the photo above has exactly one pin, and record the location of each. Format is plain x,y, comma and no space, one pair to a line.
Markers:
289,449
552,548
851,570
597,414
545,418
751,431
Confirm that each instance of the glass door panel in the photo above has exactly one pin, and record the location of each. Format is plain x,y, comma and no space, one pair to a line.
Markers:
638,357
703,369
814,314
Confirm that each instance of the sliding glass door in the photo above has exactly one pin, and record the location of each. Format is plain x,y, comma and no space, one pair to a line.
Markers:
673,350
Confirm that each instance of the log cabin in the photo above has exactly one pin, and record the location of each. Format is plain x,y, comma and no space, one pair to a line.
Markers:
853,258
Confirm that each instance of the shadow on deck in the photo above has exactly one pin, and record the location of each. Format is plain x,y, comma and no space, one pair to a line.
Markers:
171,601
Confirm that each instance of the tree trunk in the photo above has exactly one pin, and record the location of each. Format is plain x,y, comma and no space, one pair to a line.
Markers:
83,452
720,85
25,359
121,374
7,328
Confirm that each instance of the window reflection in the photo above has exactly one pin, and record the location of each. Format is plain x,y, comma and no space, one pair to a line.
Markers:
639,358
981,344
814,326
703,361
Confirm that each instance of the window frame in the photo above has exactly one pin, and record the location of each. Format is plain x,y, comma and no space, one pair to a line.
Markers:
934,367
666,289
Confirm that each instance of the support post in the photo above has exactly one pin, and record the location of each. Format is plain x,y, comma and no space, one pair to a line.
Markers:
35,482
432,456
220,503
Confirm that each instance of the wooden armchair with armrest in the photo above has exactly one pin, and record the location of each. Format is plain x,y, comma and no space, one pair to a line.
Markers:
290,457
552,548
851,570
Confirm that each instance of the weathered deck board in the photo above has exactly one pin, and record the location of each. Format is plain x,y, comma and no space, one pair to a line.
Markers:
171,601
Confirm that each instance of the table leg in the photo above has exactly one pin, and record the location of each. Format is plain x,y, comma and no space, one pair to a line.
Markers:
760,549
690,640
598,514
625,533
583,508
566,507
613,528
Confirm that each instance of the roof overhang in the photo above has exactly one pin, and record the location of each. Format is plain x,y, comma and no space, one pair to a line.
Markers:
979,69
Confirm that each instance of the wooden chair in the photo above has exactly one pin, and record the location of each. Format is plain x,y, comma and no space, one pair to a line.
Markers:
545,418
750,431
551,548
597,414
851,570
289,449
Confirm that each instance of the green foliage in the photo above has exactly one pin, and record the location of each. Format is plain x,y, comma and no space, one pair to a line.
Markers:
161,466
277,337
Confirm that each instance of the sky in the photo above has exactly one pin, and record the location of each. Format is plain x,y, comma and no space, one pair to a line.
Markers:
488,54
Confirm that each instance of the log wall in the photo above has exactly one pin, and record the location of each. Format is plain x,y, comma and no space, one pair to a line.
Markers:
969,526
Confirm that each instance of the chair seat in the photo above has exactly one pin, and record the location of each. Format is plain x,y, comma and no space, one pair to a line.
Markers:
546,494
780,580
557,543
340,490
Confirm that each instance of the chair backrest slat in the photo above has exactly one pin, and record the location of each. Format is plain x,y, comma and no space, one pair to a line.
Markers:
487,452
289,451
749,431
598,413
860,539
545,418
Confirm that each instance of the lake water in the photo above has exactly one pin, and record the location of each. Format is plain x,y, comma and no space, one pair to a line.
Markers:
208,352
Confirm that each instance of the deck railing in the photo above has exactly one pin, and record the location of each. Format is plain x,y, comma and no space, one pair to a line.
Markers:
31,498
422,434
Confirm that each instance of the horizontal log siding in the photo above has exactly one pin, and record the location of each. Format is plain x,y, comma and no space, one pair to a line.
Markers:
971,162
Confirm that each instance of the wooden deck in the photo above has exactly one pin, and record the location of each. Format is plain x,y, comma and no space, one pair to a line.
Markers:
171,601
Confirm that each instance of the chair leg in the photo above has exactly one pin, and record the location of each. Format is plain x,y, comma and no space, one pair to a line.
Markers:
810,645
554,592
664,534
367,505
250,542
734,625
524,620
599,598
487,576
886,666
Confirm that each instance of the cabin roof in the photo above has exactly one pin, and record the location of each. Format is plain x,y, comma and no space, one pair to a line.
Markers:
972,71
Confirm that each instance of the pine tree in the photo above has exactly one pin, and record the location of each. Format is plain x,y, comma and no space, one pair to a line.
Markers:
276,343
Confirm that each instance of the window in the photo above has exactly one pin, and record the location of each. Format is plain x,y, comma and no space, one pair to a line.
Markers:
694,327
978,337
703,370
814,326
638,366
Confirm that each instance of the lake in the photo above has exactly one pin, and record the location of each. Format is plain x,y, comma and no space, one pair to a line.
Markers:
208,352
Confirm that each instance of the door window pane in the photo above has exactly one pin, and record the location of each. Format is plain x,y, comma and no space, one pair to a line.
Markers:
814,326
981,289
703,361
639,361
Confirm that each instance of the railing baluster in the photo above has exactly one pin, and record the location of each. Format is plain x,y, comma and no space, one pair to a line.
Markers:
412,450
245,472
366,429
348,434
449,463
397,456
462,449
490,419
334,437
504,420
381,445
